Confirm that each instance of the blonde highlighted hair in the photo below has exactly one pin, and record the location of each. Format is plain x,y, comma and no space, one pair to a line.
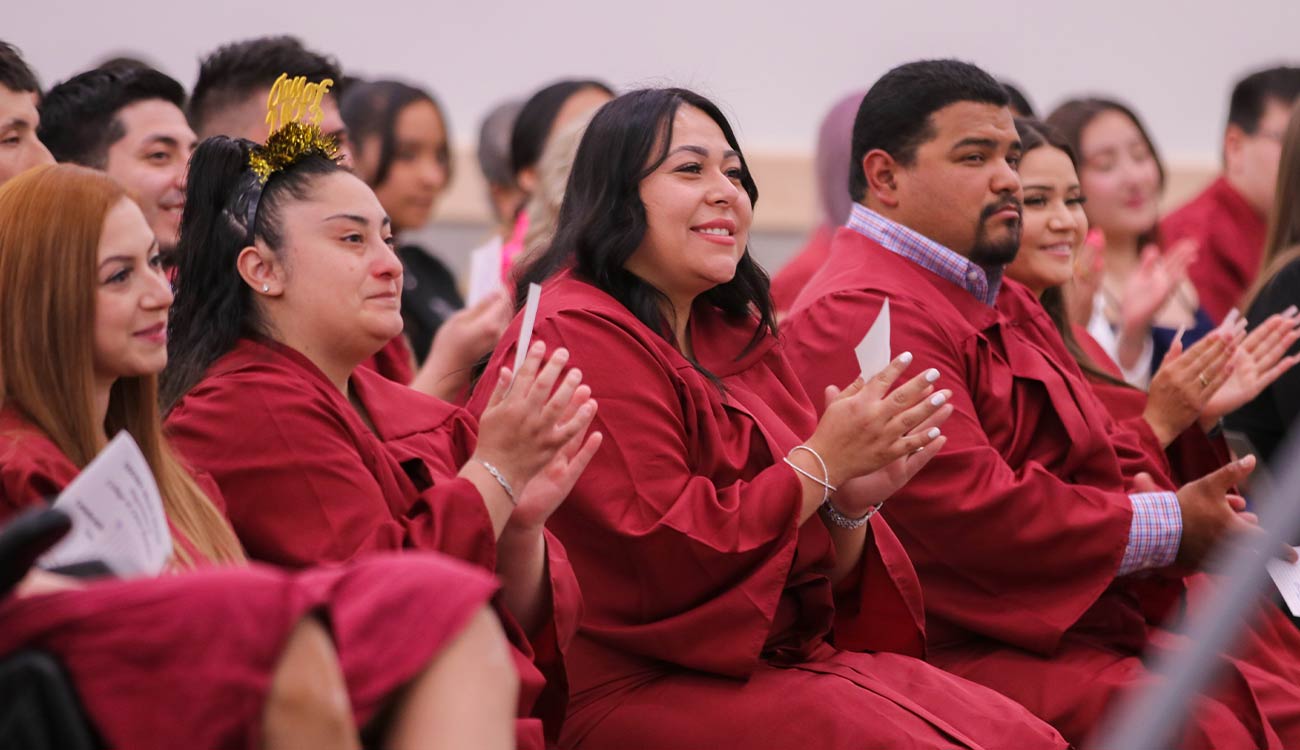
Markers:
51,219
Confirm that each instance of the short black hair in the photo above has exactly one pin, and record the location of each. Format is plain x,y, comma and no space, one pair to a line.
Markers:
236,70
1019,102
1251,95
537,116
15,75
79,116
895,114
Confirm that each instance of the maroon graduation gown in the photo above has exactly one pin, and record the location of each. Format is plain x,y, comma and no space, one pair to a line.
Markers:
710,619
187,660
1191,455
394,361
790,280
307,482
1018,527
1270,641
1231,235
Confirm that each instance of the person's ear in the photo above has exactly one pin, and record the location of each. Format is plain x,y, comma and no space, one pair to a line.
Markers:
882,173
261,270
1233,139
527,180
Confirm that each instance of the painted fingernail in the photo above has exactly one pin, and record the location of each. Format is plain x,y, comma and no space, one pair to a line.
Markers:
933,433
931,375
938,398
905,358
561,353
1290,311
539,347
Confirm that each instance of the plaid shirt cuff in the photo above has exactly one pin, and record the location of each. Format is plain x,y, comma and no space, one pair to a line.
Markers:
1155,533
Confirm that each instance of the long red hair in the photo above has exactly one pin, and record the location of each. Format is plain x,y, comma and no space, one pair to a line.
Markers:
51,219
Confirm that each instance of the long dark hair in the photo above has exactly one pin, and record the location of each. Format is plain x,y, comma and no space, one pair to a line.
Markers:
1070,119
1037,134
602,219
533,124
371,108
214,307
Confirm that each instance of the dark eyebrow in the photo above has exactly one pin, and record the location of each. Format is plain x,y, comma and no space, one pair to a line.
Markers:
358,219
153,245
15,122
988,143
980,142
165,140
728,154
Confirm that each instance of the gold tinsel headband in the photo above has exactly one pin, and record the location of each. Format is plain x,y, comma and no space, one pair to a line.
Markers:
292,139
292,143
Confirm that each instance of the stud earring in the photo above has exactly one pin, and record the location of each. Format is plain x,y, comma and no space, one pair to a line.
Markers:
266,288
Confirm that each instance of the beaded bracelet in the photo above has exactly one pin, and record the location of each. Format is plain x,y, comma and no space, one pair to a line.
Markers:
501,480
847,522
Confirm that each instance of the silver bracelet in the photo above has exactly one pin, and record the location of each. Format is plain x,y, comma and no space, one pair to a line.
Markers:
501,480
846,522
825,481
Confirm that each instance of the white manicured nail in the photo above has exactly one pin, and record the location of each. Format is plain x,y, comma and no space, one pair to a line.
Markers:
905,358
933,433
931,375
938,398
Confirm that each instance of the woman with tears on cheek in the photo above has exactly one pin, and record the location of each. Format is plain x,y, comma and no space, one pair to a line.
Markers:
721,527
399,651
285,285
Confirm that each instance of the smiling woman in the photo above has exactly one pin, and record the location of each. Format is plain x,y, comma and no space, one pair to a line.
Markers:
725,537
131,335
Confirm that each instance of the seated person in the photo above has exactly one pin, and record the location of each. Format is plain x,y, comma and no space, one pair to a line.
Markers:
20,149
129,122
724,537
1030,529
1268,419
220,654
286,282
1229,219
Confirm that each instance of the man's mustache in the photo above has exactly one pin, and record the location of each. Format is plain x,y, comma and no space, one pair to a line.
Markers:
1009,202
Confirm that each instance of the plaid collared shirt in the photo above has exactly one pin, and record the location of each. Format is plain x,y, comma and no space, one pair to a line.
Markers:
926,253
1157,525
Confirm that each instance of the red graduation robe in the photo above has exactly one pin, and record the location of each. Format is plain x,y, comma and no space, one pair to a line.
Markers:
710,618
790,280
307,482
187,660
1270,642
1191,455
394,361
1231,236
1018,527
